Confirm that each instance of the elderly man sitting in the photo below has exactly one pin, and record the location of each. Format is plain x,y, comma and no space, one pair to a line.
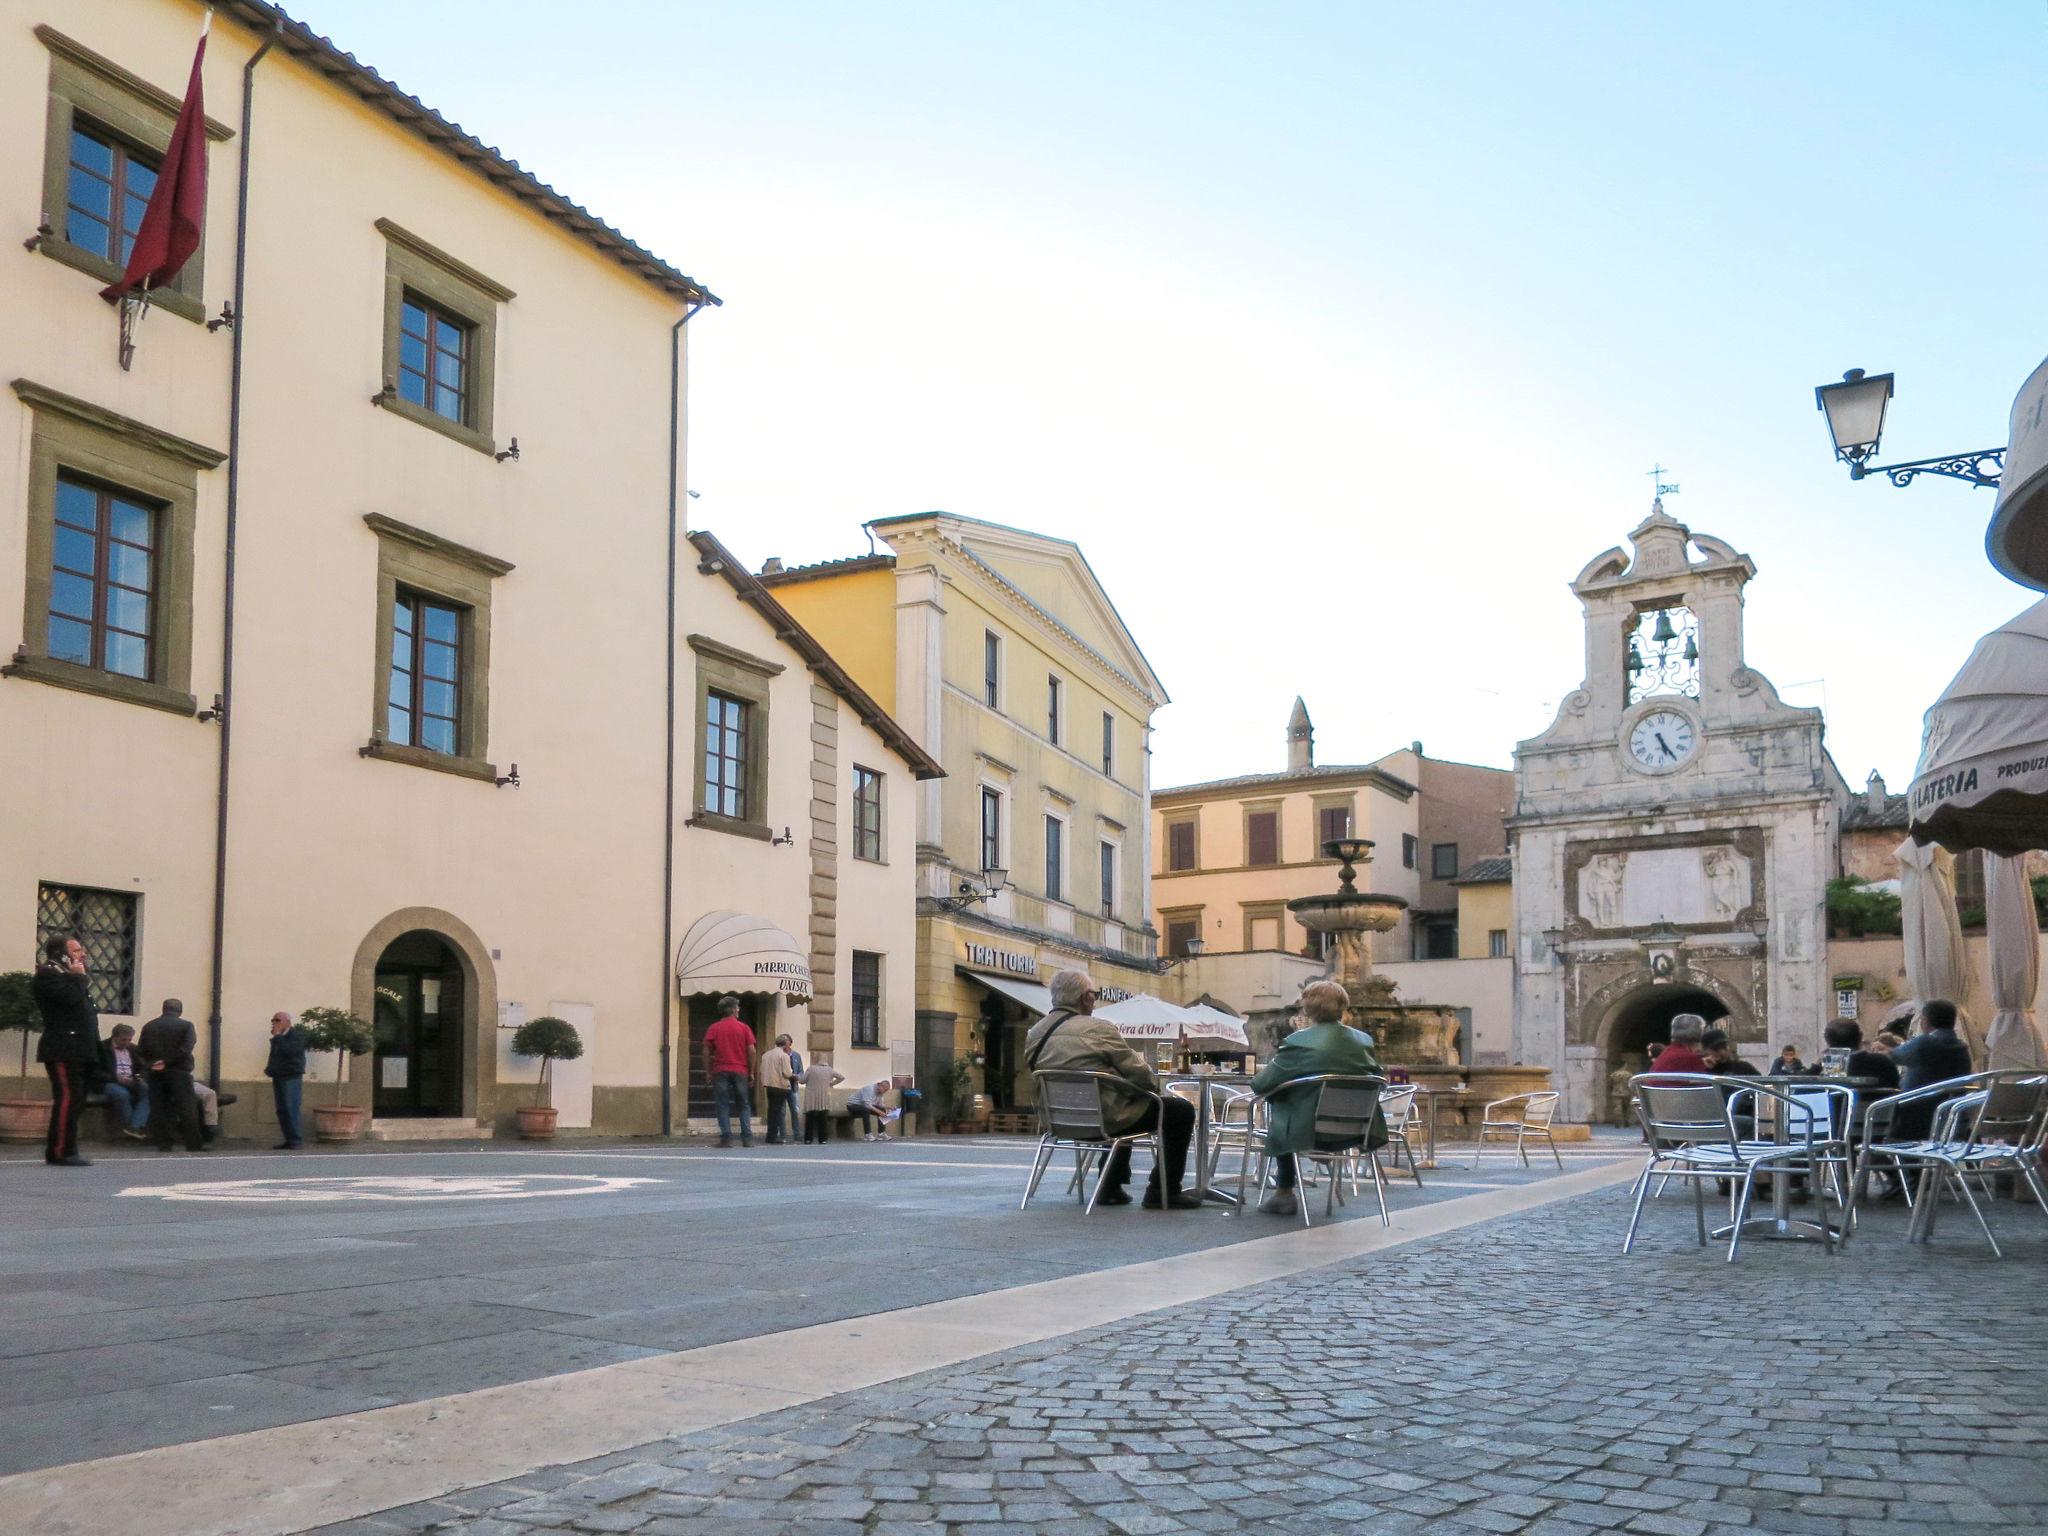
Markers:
1326,1046
1071,1039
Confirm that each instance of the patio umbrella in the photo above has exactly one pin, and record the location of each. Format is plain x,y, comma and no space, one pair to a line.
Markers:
1937,964
1145,1017
1216,1030
2013,1039
1983,775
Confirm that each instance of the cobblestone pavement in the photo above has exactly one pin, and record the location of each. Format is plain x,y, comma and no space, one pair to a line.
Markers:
1520,1376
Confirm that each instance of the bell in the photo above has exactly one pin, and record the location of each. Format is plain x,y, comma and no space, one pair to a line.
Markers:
1692,650
1635,657
1664,633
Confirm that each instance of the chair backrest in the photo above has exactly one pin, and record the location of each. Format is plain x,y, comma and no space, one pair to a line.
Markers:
1810,1115
1809,1104
1681,1109
1397,1107
1344,1107
1539,1108
1070,1104
2011,1112
1181,1088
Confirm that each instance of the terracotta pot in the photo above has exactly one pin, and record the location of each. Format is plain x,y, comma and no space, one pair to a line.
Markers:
536,1121
24,1120
338,1122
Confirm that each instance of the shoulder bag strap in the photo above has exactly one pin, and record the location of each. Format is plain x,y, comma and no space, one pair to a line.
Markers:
1045,1039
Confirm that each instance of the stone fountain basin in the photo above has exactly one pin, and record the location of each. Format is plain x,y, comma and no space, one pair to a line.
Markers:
1348,912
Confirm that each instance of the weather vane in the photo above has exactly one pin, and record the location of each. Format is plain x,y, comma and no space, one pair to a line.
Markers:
1664,487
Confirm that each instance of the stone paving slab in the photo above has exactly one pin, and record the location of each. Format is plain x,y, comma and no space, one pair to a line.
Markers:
1521,1376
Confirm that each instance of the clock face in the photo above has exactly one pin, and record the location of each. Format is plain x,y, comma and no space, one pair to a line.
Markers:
1663,738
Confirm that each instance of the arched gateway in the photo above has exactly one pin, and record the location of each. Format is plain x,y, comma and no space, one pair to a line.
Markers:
425,982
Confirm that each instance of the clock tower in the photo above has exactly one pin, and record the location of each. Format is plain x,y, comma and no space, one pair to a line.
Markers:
1674,830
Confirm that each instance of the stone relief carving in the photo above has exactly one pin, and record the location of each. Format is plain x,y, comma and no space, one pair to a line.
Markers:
1696,882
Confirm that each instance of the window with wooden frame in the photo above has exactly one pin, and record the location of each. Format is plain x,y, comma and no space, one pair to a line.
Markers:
867,814
1496,943
991,669
1443,861
1107,855
103,559
440,339
1262,837
1411,847
1108,744
1181,932
991,829
730,774
1055,859
432,702
106,132
424,692
1052,709
867,1000
104,923
1332,822
727,753
107,580
1181,850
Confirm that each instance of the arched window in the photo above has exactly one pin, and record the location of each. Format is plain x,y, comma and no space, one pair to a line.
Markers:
1662,652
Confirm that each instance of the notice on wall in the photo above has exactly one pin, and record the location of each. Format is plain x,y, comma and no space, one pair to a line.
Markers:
391,1071
511,1015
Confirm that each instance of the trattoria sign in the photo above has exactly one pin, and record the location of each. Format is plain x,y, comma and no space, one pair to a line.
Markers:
990,957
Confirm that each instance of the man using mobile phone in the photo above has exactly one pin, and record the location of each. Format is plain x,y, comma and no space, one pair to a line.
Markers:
70,1045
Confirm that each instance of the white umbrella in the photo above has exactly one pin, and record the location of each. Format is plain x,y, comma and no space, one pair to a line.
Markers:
1937,965
2013,1040
1145,1017
1219,1026
1983,775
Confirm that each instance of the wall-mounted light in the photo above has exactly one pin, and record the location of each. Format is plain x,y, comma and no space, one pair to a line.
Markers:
991,884
1855,411
226,317
510,451
219,712
783,841
509,780
1553,938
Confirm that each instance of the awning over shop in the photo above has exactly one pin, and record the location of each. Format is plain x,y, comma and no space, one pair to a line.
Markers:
1030,993
738,952
1983,775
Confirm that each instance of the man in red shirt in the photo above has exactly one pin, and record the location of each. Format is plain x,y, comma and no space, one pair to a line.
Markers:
729,1063
1683,1053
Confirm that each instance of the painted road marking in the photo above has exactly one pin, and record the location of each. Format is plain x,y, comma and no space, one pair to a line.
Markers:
510,1186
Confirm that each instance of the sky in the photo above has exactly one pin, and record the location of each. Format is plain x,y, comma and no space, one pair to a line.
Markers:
1339,336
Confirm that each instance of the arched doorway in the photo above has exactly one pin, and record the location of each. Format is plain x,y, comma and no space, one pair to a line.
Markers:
1642,1020
417,1067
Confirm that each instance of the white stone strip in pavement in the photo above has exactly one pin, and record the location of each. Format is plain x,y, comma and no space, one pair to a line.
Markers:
272,1481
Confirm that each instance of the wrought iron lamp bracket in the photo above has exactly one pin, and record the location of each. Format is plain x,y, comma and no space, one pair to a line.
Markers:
1982,468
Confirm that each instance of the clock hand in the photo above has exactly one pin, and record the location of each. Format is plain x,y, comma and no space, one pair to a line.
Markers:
1668,753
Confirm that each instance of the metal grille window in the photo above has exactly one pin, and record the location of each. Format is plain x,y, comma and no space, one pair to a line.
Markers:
425,705
1180,845
102,579
104,922
867,999
991,829
867,814
433,359
725,756
109,189
1663,653
1055,859
991,669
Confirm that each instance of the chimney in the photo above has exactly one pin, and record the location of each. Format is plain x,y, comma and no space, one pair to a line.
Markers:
1415,747
1301,739
772,566
1874,792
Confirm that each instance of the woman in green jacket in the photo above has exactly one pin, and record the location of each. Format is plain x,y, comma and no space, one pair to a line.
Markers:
1326,1045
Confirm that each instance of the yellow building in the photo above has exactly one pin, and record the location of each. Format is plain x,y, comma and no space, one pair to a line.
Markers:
1002,655
355,667
1486,910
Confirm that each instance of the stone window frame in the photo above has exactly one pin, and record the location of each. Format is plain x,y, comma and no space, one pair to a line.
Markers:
1497,944
138,113
1192,820
881,804
1115,843
855,997
1062,844
738,674
1171,917
413,265
1258,911
425,562
1347,803
67,433
1273,808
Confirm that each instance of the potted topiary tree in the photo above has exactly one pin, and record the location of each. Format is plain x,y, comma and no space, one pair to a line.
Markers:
21,1119
342,1032
552,1040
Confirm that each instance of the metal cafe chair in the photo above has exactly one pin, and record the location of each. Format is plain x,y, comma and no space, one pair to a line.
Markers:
1343,1116
1236,1123
1073,1112
1990,1123
1690,1121
1524,1116
1397,1108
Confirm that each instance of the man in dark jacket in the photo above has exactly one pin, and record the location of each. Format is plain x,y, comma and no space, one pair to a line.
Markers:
286,1070
167,1044
1935,1055
70,1045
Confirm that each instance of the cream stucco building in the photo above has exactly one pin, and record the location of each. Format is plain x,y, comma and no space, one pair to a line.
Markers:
347,628
1004,657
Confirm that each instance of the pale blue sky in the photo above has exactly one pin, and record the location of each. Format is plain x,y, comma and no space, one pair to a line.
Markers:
1340,336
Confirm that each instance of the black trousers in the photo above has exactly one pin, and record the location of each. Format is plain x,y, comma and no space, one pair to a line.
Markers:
817,1126
174,1110
1178,1131
67,1101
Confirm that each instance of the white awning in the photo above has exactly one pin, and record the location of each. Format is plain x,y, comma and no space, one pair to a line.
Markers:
1146,1017
737,952
1030,993
1983,775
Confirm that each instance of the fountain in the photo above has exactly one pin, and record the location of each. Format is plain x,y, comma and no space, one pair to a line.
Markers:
1419,1037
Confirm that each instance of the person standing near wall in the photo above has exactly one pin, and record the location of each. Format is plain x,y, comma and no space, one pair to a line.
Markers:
819,1081
729,1064
70,1045
167,1044
776,1077
286,1070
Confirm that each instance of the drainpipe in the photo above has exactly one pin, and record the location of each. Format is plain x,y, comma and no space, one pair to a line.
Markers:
226,715
668,787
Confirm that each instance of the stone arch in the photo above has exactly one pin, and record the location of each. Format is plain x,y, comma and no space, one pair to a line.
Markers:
1618,1006
479,999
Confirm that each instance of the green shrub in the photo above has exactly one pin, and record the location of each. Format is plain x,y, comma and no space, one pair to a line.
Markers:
18,1009
1854,909
552,1040
336,1029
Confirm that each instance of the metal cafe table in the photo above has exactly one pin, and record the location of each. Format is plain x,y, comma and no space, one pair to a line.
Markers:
1205,1112
1779,1224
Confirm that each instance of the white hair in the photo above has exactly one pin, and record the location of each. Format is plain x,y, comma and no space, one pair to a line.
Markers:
1069,987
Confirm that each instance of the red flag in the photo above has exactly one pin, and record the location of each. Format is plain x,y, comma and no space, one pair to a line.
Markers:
177,208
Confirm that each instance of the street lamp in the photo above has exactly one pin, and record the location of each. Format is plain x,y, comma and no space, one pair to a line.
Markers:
1855,411
991,884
